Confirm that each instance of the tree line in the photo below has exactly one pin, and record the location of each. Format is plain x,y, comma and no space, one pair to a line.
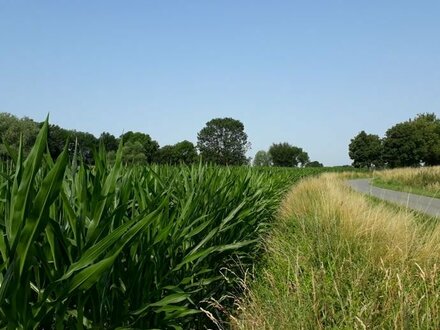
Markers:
138,147
284,155
414,142
221,141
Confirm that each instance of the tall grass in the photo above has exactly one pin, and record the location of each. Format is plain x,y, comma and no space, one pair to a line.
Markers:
423,180
336,260
131,247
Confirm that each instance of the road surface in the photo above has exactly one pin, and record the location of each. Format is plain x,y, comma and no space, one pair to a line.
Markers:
428,205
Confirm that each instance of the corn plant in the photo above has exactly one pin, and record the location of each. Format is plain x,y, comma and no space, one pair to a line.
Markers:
131,247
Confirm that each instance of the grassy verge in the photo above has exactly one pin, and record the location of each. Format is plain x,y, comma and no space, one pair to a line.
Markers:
340,261
421,181
422,219
397,186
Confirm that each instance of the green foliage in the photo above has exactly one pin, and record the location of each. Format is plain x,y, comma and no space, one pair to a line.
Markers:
110,142
134,153
183,152
81,143
413,142
223,141
133,247
12,128
57,139
139,147
366,150
286,155
262,158
314,164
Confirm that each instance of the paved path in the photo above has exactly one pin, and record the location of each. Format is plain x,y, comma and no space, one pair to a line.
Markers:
428,205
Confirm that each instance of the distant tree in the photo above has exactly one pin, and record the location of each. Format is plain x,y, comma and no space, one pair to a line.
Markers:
165,155
286,155
133,152
366,150
223,141
11,128
413,142
182,152
86,144
57,139
303,157
110,141
427,129
185,152
262,158
314,164
142,143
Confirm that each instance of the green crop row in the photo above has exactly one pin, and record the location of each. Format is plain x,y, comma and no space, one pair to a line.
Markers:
129,247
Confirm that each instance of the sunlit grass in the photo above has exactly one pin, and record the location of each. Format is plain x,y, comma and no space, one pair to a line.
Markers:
337,260
423,180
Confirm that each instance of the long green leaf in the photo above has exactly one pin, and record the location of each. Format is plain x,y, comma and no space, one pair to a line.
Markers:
21,191
35,223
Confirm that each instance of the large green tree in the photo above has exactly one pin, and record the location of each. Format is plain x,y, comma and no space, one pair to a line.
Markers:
366,150
56,140
314,163
262,158
413,142
12,128
82,142
223,141
427,128
137,143
286,155
109,141
183,152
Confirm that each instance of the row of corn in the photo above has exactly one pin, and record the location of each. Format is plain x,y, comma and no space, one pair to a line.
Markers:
127,247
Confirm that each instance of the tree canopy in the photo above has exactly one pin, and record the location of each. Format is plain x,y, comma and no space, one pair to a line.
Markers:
286,155
413,142
223,141
410,143
366,150
11,128
262,158
109,141
139,147
183,152
314,163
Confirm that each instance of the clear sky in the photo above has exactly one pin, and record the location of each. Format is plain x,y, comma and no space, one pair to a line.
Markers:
311,73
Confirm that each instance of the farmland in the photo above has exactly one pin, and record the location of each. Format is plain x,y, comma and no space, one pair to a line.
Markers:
108,246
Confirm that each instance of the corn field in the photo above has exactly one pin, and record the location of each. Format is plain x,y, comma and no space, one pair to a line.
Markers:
109,246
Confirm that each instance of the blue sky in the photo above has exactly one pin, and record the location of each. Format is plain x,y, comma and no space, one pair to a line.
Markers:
311,73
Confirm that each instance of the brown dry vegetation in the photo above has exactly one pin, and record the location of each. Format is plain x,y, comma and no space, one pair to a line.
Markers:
337,260
424,180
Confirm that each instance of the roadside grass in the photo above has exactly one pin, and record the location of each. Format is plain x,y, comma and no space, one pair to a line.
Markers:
422,181
422,219
337,260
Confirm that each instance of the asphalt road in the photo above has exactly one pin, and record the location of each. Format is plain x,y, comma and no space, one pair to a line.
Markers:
428,205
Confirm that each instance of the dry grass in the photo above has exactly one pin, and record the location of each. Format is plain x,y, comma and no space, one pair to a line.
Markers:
423,179
335,260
